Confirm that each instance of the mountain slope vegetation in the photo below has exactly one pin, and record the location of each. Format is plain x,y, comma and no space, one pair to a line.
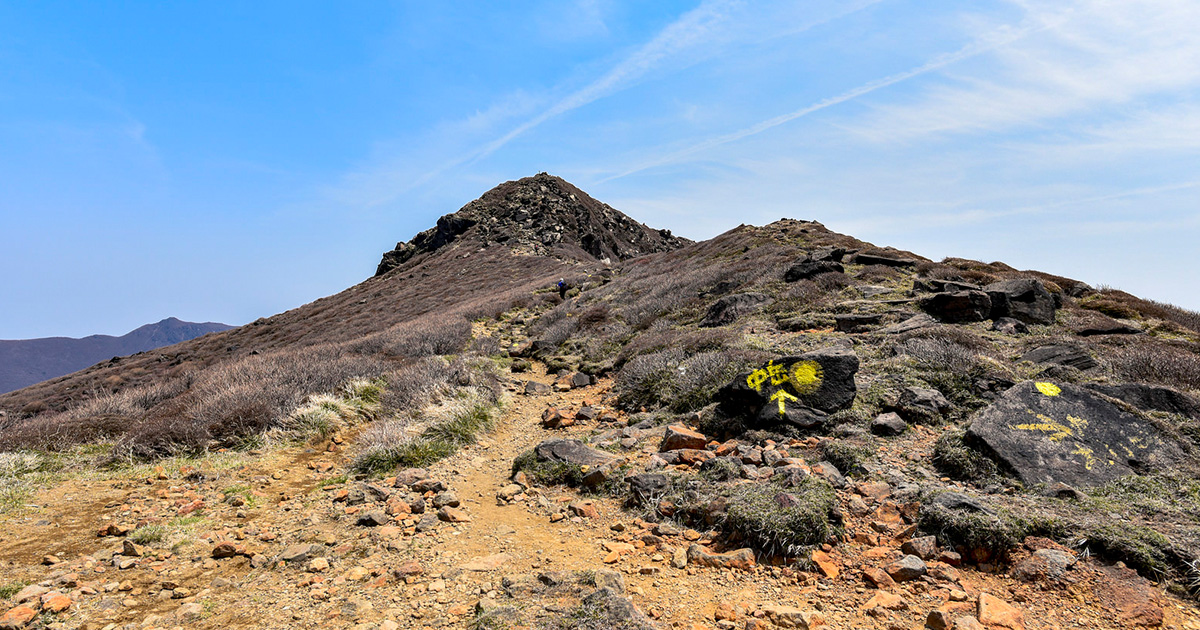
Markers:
796,397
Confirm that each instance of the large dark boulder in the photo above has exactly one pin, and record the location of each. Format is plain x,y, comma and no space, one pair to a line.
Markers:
827,253
958,307
648,487
856,322
571,452
793,392
1066,354
879,259
729,308
806,269
1058,432
935,285
1024,299
1152,398
921,405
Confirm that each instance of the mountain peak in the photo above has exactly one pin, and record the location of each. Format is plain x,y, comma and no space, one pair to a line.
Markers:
540,215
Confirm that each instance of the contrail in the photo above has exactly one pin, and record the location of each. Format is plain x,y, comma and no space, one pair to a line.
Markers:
941,61
688,31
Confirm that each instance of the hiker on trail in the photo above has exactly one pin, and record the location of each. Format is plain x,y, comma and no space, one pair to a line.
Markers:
562,288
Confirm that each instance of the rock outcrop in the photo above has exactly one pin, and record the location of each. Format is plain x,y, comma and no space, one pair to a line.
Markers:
1058,432
795,392
543,215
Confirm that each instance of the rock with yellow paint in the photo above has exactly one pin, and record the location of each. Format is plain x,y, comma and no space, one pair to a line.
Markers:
790,393
1050,432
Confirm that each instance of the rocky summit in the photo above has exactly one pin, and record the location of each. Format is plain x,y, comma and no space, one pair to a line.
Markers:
541,215
778,427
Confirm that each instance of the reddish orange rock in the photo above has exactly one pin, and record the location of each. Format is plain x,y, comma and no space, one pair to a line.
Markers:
679,437
826,564
885,599
739,559
996,613
878,577
18,617
55,602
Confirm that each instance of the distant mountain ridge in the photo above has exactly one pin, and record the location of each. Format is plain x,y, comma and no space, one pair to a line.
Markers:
24,362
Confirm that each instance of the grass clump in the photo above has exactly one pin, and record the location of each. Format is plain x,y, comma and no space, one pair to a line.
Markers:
1142,548
148,534
8,589
602,610
720,469
781,520
845,457
545,473
388,445
995,532
958,461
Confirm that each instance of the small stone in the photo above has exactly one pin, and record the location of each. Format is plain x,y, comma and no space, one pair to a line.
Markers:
679,558
585,508
31,592
886,600
790,617
826,564
226,550
878,577
453,515
924,547
739,559
374,518
680,437
128,548
888,424
189,612
951,558
995,612
299,553
55,602
429,485
909,567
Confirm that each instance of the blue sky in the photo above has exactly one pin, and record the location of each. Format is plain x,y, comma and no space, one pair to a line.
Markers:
226,161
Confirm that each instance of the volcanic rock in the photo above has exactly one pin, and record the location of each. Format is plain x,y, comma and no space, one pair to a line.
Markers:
728,309
959,306
1069,355
1024,299
1059,432
793,391
810,268
572,452
543,215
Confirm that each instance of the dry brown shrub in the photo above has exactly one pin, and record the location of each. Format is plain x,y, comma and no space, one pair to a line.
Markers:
1152,362
1116,303
938,271
426,336
833,282
805,292
939,354
950,334
662,336
877,273
417,384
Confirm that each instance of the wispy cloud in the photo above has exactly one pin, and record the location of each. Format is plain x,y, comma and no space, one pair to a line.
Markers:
705,32
1001,37
1091,54
686,33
